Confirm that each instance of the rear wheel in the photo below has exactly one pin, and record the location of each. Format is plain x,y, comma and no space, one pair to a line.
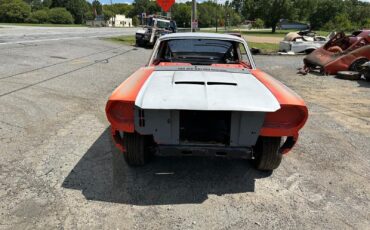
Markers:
308,51
367,76
137,149
356,65
267,155
141,43
349,75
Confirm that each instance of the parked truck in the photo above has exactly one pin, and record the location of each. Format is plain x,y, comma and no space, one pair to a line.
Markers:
154,27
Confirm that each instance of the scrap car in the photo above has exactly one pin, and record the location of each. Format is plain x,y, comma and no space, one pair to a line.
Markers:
341,53
201,94
155,27
302,42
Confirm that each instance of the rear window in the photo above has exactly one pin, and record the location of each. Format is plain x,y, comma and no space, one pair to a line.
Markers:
201,52
199,46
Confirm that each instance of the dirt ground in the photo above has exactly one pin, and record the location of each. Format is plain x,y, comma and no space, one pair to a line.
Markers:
56,168
259,39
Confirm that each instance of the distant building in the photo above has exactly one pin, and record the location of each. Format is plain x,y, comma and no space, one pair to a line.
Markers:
97,22
119,20
289,25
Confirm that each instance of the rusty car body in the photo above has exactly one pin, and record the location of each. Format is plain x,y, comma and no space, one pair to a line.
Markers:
340,53
202,95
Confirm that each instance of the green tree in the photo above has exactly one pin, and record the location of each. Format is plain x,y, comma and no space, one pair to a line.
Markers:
326,11
181,13
259,23
302,9
340,22
208,12
275,10
35,4
58,3
135,21
108,14
97,7
119,8
89,15
47,3
14,11
78,9
358,12
144,6
39,16
60,15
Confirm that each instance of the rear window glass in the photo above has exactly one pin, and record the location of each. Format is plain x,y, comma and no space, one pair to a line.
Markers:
199,46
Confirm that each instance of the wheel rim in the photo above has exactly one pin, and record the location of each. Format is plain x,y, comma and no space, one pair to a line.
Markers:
356,66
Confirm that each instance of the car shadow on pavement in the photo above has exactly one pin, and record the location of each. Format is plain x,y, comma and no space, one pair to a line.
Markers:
363,83
162,181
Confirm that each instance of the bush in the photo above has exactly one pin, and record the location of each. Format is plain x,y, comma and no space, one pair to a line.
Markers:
135,21
259,23
14,11
60,15
366,25
108,14
340,22
39,16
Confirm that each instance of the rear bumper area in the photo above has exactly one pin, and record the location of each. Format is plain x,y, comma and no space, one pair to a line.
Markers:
205,151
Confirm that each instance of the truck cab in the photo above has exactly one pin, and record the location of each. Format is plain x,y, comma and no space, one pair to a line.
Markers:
154,27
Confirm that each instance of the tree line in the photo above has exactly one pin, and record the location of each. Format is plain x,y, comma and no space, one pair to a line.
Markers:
57,11
320,14
328,15
344,15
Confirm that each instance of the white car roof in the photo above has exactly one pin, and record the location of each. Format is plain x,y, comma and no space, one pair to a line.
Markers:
201,35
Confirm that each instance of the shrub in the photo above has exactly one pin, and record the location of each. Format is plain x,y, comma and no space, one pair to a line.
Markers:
135,21
340,22
60,15
108,14
39,16
259,23
14,11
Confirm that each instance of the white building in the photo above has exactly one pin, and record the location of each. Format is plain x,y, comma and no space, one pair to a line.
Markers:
120,20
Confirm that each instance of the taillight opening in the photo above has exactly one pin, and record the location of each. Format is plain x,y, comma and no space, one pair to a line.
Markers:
121,115
286,117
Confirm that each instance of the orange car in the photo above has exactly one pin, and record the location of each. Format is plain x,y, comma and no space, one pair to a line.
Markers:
341,53
202,95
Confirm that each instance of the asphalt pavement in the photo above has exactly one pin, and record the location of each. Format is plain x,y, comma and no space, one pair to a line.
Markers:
31,34
56,168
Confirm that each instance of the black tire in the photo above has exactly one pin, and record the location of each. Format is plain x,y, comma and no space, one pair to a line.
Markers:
137,149
267,155
367,76
140,43
356,65
308,51
349,75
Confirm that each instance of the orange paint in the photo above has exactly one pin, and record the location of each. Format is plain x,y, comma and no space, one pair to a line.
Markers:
120,106
292,115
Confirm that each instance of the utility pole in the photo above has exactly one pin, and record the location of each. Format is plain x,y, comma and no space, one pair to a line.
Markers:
216,14
193,14
114,17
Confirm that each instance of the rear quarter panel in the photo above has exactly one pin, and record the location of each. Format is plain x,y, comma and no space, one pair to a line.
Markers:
293,109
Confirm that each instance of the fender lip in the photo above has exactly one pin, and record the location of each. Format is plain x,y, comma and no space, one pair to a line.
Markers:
287,98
